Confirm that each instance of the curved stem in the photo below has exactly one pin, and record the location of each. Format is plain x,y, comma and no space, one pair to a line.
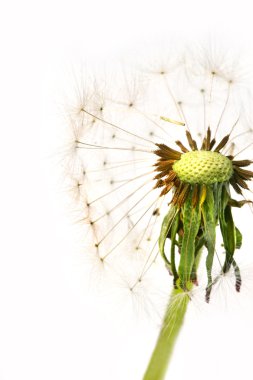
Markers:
172,323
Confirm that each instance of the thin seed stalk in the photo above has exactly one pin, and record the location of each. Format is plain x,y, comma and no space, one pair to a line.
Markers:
172,323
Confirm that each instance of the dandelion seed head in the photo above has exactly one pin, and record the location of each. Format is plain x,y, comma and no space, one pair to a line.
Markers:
120,122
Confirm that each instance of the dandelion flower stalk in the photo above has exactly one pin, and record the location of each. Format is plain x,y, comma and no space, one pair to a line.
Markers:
172,324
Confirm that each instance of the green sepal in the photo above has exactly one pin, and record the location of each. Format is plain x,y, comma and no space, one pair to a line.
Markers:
173,233
208,213
199,244
238,279
180,241
191,224
238,204
217,190
228,229
238,238
165,230
200,241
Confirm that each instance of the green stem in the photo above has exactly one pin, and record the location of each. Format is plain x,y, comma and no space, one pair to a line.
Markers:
171,326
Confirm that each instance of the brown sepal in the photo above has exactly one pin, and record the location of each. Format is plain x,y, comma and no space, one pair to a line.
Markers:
191,142
245,174
241,182
242,163
166,189
183,148
195,196
183,195
235,186
222,143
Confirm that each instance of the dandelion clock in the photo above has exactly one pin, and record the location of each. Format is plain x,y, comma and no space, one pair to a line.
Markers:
159,161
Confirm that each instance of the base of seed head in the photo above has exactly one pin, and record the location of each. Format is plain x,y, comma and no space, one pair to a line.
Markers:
203,167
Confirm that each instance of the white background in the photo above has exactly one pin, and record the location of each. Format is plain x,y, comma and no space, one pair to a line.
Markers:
51,326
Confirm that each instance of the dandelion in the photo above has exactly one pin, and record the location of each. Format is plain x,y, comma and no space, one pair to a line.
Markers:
161,159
